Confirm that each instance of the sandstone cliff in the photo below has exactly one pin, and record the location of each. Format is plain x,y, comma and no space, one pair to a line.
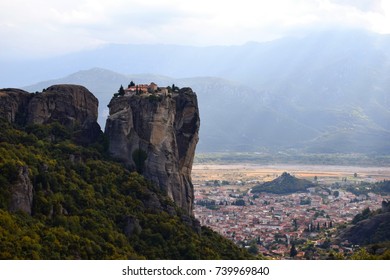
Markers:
67,104
13,105
157,135
70,105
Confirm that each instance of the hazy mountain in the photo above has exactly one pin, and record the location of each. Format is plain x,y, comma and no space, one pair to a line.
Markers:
258,64
233,116
329,92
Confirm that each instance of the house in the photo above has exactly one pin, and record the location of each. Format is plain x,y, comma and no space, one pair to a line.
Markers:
141,88
145,88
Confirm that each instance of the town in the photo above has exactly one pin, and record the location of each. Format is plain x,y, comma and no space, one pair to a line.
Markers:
270,223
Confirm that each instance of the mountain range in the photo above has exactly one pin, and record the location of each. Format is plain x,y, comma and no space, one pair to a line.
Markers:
324,93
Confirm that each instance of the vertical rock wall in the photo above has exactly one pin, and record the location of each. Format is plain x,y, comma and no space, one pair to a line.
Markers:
157,136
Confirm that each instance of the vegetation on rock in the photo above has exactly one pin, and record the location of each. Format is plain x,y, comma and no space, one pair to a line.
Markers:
86,206
285,184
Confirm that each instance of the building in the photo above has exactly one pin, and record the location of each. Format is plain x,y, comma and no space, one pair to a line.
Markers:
145,88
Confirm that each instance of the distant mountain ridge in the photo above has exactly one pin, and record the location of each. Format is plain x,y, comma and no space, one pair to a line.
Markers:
257,64
324,93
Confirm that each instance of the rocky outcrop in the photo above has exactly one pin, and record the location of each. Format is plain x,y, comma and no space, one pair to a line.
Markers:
22,192
66,104
157,135
13,105
70,105
374,229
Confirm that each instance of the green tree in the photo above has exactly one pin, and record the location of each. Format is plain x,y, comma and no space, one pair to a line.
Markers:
240,202
362,254
121,91
366,213
293,251
253,249
295,224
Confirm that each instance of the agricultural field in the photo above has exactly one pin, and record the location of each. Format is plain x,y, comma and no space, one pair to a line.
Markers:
252,173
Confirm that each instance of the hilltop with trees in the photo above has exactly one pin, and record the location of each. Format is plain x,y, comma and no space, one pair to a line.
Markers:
284,184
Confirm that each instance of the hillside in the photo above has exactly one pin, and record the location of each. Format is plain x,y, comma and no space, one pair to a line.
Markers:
369,228
86,206
284,184
324,93
65,199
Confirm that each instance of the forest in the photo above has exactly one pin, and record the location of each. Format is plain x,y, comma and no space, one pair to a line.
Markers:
87,206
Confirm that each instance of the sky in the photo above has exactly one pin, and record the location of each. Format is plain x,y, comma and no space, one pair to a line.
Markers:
44,28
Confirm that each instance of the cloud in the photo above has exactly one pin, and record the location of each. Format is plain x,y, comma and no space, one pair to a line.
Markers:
362,5
49,27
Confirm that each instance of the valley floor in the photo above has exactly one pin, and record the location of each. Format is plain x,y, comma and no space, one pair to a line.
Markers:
252,172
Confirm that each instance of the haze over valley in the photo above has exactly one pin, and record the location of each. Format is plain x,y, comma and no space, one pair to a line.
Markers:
327,92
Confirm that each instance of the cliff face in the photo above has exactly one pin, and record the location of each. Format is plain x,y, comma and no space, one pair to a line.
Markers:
22,192
157,135
67,104
13,104
70,105
153,134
